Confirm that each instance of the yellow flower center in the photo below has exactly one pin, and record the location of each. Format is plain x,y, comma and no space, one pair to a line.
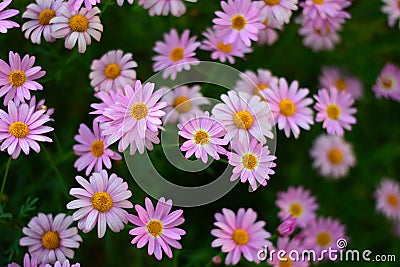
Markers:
393,200
335,156
240,237
97,148
271,2
333,111
45,16
112,71
201,137
18,129
318,2
323,239
296,210
238,22
17,78
286,262
387,83
176,54
226,48
287,107
139,111
155,228
78,23
341,84
182,104
51,240
249,161
102,201
243,119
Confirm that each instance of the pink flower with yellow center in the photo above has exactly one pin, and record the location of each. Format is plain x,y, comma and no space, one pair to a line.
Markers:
387,197
388,83
254,83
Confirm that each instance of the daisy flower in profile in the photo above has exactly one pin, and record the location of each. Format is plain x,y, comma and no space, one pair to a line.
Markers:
239,234
77,26
6,24
297,202
286,258
18,78
21,129
93,150
333,156
40,14
101,201
281,9
183,102
49,240
253,83
335,110
252,162
323,233
388,83
157,227
76,4
240,21
113,70
205,136
289,105
244,117
287,226
221,50
341,80
392,9
387,197
121,2
164,7
175,53
28,262
269,34
41,106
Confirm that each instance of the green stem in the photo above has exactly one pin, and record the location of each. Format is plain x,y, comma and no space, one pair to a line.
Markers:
5,178
104,8
57,141
55,169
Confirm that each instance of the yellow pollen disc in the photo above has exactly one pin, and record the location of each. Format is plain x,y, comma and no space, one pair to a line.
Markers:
286,262
155,228
393,200
238,22
176,54
112,71
44,107
201,137
341,84
97,148
271,2
333,111
265,22
17,78
296,210
287,107
387,83
182,104
323,239
50,240
318,2
45,16
335,156
139,111
226,48
102,201
18,129
243,119
240,237
249,161
78,23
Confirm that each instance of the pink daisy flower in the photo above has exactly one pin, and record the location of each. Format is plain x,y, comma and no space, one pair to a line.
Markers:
335,110
205,136
101,201
183,102
65,264
254,83
341,80
76,4
244,117
297,202
40,14
50,240
392,9
93,150
6,24
28,262
269,34
18,78
113,70
21,129
107,100
221,50
121,2
157,227
320,8
77,26
333,156
252,162
164,7
387,197
289,106
240,21
281,9
137,112
388,83
175,53
239,234
288,259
